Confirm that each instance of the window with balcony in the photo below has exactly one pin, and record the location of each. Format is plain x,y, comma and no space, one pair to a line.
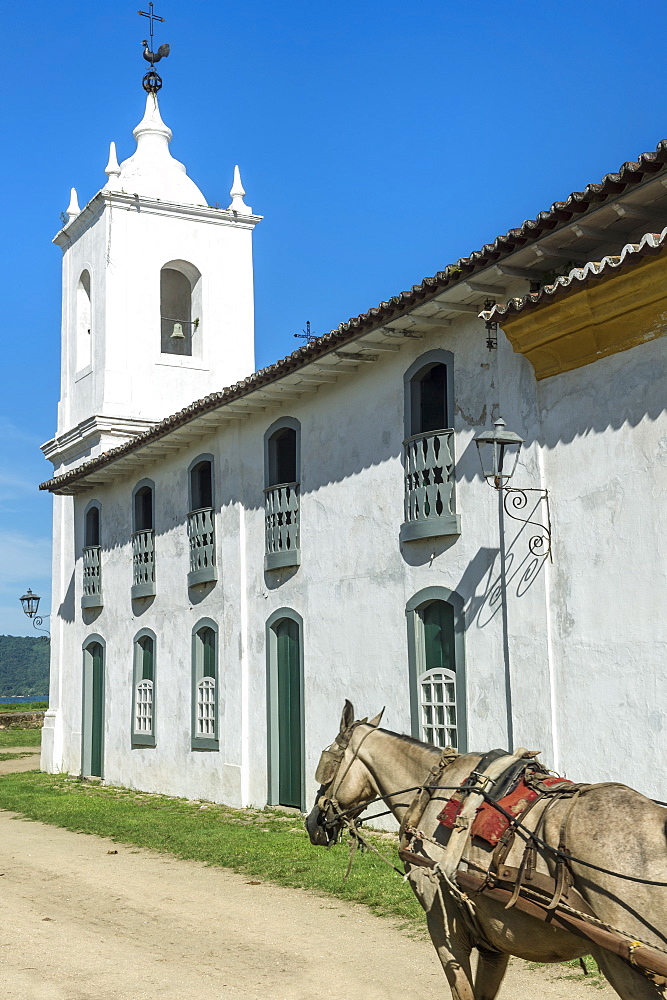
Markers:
436,657
143,540
205,726
143,696
201,523
281,494
92,569
428,456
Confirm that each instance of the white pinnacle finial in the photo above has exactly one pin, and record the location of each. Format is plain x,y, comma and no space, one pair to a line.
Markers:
237,193
112,169
73,208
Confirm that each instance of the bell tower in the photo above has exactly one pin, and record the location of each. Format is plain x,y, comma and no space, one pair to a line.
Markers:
157,295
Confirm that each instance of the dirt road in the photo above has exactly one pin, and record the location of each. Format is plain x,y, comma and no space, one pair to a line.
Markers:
80,923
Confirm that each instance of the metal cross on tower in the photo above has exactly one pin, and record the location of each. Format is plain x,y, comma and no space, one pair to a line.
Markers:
151,18
152,80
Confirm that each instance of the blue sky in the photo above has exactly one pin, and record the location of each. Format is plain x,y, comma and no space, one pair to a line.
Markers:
381,141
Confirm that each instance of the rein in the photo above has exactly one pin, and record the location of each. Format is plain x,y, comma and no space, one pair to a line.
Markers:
352,826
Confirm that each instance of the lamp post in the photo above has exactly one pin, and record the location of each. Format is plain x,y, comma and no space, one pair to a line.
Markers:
499,454
30,604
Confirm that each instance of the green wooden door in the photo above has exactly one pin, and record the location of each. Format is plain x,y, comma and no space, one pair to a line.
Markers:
289,713
94,724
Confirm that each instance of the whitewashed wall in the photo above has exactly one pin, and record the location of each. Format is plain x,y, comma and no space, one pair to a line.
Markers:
582,647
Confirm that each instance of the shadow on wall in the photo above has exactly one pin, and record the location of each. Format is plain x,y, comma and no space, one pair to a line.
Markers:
608,394
573,405
67,611
525,557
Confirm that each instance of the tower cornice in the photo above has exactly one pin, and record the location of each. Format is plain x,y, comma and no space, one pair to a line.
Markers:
152,206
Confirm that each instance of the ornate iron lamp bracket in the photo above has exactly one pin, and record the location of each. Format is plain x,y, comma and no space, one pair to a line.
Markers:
37,624
515,502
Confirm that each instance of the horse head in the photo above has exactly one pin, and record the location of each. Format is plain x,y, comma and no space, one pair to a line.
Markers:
346,786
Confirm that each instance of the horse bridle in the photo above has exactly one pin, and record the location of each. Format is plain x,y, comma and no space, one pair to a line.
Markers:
327,774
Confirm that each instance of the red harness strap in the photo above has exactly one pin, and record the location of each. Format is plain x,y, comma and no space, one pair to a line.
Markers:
489,823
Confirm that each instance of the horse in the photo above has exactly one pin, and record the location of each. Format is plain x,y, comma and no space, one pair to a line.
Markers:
608,826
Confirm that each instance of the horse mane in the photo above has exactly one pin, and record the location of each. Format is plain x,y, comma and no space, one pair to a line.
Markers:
413,741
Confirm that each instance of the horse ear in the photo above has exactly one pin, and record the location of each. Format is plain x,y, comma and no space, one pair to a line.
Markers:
378,718
347,718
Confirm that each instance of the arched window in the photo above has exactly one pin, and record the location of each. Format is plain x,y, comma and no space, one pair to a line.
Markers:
143,540
92,563
143,509
201,522
437,682
430,508
84,322
180,309
282,488
201,485
205,686
143,698
282,456
92,525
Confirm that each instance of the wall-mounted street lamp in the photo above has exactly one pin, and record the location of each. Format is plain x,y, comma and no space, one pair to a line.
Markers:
30,604
499,454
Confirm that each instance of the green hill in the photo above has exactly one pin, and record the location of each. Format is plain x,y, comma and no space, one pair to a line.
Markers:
24,666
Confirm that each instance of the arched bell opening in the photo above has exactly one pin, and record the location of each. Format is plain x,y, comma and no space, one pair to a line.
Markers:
180,309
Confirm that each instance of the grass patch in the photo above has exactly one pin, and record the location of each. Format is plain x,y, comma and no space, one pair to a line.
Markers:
22,706
592,976
267,844
17,737
13,756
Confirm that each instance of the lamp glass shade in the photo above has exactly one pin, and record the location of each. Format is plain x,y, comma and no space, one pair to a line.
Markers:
30,603
498,453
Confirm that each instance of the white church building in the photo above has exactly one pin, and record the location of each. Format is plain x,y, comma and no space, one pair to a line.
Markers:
237,551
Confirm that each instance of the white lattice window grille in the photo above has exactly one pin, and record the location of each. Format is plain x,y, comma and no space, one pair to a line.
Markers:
143,707
437,693
206,707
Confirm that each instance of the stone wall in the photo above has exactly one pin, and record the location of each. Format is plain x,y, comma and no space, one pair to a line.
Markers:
22,720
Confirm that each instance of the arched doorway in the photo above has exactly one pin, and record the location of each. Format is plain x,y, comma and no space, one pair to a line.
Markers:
285,668
92,762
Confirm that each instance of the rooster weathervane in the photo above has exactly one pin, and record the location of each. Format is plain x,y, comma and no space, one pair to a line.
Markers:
152,81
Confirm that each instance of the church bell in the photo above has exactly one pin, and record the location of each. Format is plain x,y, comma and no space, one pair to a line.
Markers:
177,332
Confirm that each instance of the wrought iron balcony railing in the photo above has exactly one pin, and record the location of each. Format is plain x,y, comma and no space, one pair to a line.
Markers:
201,532
281,519
92,577
429,486
143,563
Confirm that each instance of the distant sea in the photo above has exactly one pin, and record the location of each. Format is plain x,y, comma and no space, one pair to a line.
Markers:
6,699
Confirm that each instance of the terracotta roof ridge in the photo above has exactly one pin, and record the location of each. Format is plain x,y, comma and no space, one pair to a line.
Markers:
581,274
561,211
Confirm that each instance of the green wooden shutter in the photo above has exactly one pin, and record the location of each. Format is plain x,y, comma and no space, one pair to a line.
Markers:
438,619
208,651
146,644
289,713
97,704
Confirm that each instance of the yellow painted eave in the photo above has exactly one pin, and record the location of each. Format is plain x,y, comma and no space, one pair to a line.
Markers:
609,315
